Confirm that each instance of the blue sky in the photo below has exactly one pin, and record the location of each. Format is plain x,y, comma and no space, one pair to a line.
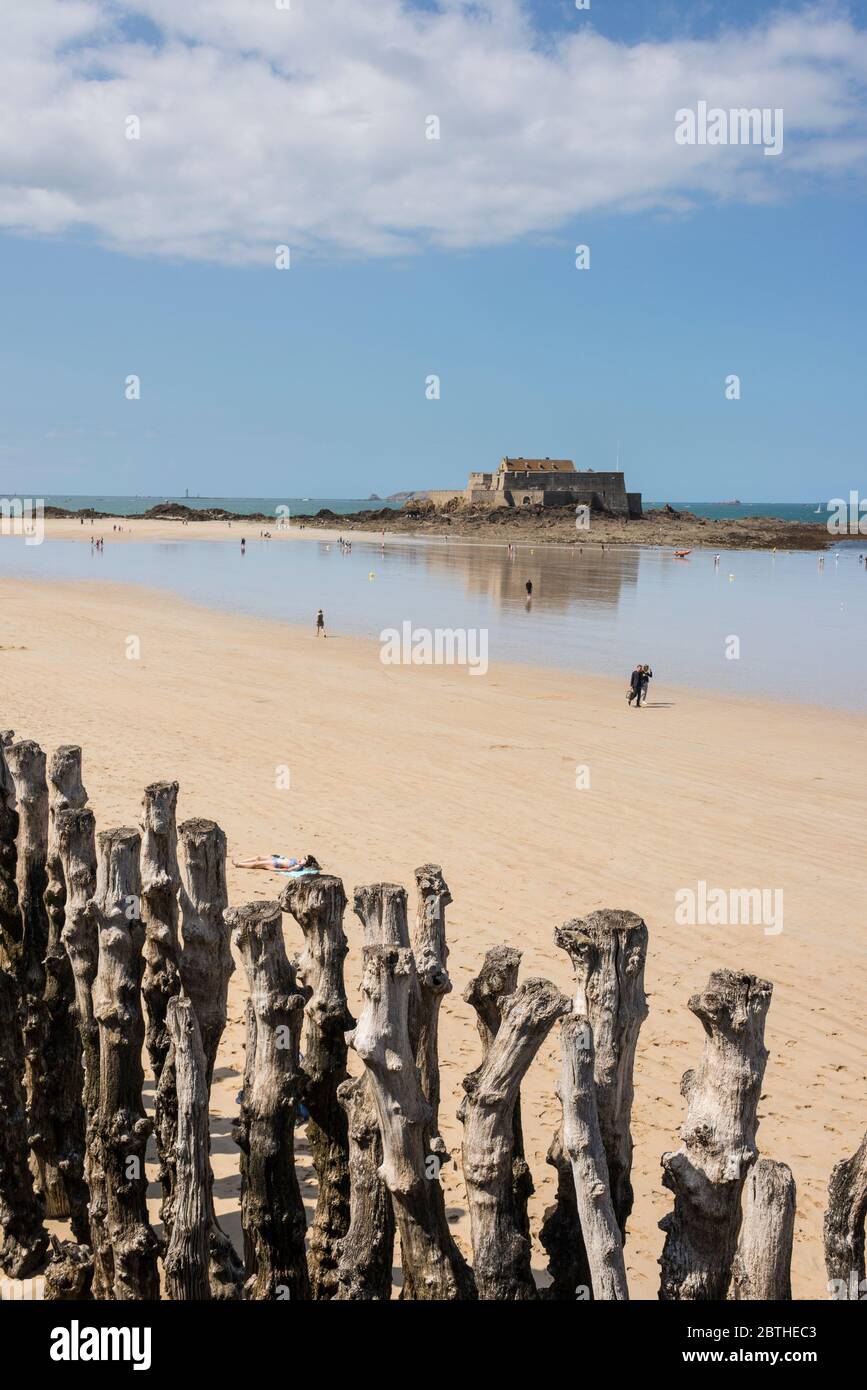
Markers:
312,381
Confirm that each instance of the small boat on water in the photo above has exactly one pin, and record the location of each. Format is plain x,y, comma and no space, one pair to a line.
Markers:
681,554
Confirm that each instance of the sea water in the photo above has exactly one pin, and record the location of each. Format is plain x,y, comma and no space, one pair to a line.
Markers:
754,622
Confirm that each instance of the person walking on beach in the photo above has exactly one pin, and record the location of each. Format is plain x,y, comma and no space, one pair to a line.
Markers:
529,587
634,691
320,623
646,678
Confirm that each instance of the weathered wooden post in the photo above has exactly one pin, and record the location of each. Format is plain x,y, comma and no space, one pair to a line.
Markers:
707,1173
206,965
272,1211
366,1253
160,883
430,952
497,979
121,1129
608,950
187,1258
501,1251
583,1146
433,1266
76,845
10,911
206,958
161,981
63,1051
762,1267
26,764
66,793
318,904
844,1226
23,1238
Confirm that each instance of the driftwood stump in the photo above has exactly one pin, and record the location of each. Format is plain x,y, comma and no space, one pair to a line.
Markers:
501,1250
206,965
187,1257
497,979
844,1226
433,1267
762,1267
63,1054
430,952
23,1238
583,1146
26,764
272,1211
318,904
608,951
121,1129
10,911
707,1173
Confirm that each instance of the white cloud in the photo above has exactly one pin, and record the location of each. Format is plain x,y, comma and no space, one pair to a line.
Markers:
262,126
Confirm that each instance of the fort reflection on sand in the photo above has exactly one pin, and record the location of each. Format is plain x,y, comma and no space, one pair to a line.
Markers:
800,627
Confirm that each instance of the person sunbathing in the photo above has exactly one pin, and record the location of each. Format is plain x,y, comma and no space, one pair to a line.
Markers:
279,864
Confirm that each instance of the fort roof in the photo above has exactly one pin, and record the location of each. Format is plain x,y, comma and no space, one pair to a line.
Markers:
508,465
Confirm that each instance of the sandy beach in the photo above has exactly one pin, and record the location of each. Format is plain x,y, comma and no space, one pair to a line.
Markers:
391,767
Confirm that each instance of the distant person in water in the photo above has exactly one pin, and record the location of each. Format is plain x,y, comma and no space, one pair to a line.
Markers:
529,587
243,545
320,623
635,684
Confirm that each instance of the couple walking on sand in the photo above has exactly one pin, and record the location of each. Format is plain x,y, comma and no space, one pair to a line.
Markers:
638,683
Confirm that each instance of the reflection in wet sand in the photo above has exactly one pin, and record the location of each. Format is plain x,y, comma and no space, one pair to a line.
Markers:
561,578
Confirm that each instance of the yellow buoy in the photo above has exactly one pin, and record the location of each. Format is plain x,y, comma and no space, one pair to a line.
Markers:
371,575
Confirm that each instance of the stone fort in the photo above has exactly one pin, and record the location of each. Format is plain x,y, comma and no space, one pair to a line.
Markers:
520,482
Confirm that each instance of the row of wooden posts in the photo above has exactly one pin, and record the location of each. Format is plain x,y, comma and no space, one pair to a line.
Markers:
118,944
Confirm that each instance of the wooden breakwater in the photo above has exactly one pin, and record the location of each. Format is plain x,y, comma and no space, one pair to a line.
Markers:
115,954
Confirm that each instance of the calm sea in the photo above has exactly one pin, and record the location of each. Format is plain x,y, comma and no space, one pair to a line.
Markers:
799,624
308,506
